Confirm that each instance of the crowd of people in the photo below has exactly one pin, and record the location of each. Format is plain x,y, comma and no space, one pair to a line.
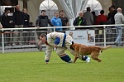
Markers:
21,19
17,19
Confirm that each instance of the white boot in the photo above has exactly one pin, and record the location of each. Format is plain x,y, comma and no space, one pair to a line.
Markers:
88,60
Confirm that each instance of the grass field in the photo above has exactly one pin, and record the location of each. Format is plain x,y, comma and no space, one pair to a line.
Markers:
30,67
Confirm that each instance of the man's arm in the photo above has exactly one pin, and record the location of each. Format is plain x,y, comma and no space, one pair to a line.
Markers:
92,19
56,41
85,22
122,18
60,22
48,53
28,19
50,22
75,22
67,22
37,21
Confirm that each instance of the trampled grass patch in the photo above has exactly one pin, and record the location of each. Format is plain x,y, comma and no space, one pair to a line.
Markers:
30,67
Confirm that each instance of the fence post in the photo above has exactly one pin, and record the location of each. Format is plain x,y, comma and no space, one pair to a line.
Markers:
2,41
104,35
36,36
54,29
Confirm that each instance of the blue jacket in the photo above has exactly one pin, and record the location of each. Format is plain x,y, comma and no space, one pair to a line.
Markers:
57,22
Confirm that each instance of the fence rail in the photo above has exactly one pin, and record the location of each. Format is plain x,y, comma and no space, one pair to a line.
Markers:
27,38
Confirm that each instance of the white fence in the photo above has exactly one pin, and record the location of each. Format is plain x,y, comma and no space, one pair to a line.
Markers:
26,38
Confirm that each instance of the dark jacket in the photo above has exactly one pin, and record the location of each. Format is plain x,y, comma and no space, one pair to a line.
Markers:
111,17
7,21
64,21
18,17
26,20
79,21
43,21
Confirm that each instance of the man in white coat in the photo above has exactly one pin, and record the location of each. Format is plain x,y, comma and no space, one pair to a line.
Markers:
61,42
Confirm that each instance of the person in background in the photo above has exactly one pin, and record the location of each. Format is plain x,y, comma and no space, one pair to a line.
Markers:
101,19
6,19
26,18
7,22
119,19
26,33
111,14
89,16
43,21
64,19
18,17
94,16
56,21
80,20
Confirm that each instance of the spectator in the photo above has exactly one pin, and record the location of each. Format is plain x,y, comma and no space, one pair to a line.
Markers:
111,14
64,19
7,19
119,19
89,16
19,22
43,21
80,20
94,16
101,19
26,18
56,21
7,22
26,33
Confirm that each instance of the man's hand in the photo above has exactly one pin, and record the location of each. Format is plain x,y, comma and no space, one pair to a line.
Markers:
55,46
39,47
47,61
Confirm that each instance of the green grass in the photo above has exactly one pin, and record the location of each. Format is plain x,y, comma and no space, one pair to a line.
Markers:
30,67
